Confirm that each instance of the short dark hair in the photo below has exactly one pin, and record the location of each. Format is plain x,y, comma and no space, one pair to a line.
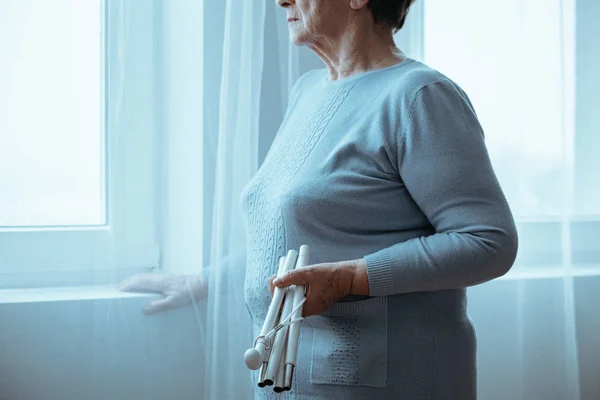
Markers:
390,12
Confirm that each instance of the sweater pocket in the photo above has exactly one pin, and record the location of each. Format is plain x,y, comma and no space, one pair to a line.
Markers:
350,344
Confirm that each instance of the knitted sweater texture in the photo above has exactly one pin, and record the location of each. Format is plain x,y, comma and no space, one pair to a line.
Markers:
388,165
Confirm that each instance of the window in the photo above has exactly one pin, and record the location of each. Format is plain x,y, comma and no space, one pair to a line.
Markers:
77,140
527,66
51,148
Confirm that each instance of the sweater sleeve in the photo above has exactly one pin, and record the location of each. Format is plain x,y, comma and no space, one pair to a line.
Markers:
444,164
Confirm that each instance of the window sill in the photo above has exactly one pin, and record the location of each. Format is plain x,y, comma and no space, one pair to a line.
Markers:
70,293
550,272
109,292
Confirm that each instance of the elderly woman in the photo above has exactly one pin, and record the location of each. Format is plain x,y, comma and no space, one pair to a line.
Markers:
380,166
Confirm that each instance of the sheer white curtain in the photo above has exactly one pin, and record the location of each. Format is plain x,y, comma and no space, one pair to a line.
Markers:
527,66
172,136
234,140
222,84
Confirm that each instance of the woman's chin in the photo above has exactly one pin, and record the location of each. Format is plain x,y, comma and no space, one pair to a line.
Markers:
298,39
297,35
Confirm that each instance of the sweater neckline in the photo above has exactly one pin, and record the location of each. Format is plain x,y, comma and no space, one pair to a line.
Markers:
361,75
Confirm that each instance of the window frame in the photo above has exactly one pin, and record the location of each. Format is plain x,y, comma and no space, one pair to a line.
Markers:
127,242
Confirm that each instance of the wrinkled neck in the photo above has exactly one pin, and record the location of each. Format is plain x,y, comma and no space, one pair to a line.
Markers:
357,50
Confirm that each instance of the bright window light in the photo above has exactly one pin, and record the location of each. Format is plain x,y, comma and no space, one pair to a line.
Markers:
508,56
52,146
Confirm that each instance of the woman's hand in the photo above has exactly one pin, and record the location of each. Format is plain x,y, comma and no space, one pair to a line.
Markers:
326,283
177,290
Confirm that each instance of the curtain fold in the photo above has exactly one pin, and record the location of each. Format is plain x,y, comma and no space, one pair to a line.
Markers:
235,141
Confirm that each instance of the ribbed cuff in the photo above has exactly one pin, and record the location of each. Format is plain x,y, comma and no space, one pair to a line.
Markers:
379,272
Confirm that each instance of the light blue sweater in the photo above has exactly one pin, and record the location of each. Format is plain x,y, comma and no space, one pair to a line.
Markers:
389,165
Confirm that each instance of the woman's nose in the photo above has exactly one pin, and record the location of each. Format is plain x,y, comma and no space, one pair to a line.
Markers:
285,3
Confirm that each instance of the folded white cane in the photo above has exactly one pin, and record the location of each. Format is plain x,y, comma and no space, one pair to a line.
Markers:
277,354
277,357
256,356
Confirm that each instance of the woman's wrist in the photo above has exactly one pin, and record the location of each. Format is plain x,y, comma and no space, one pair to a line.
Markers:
360,278
199,285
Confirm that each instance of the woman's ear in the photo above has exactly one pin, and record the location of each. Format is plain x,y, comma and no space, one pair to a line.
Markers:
358,4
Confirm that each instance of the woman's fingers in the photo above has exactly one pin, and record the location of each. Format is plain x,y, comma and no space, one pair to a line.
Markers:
142,283
160,305
148,283
308,308
294,277
176,290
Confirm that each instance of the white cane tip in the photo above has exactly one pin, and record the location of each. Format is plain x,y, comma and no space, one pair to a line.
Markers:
252,359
